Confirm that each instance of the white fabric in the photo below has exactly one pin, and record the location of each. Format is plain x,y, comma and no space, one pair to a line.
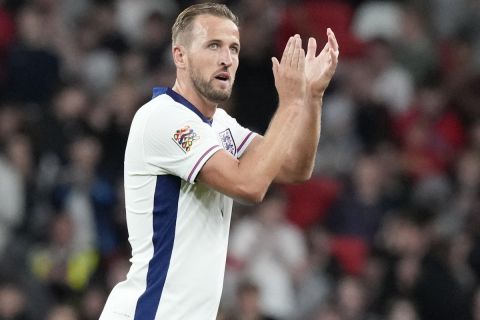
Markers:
195,274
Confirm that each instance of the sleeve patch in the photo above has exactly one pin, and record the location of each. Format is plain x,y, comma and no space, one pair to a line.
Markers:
184,138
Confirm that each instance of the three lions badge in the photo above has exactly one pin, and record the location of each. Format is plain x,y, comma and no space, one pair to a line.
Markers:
227,142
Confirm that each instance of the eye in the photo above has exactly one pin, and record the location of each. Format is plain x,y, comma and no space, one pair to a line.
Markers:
234,50
213,46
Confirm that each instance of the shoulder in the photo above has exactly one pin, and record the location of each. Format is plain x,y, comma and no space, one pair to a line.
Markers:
163,112
222,115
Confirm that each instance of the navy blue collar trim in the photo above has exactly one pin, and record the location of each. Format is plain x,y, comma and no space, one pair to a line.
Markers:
178,98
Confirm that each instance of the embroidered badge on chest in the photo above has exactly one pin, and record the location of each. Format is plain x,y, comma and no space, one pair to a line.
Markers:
227,142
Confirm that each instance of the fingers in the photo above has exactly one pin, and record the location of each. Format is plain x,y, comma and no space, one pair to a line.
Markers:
299,53
286,50
289,73
301,61
325,49
275,65
293,53
332,41
311,48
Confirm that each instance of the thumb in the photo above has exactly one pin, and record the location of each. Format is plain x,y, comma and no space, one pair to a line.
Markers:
275,65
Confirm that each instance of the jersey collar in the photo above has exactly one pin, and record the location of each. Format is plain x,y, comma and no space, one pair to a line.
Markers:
180,99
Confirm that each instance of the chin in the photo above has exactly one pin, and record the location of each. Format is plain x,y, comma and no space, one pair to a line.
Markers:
219,98
219,95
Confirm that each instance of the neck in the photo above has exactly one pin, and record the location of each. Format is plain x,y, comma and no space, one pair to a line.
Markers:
205,106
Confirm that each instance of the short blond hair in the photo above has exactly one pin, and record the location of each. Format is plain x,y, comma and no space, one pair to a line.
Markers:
184,20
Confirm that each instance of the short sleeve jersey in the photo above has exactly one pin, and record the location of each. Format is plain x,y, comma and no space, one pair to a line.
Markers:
178,229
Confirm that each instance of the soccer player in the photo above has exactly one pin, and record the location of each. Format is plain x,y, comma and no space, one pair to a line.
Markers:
186,159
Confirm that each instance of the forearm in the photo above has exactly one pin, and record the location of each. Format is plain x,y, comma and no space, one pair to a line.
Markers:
263,163
300,159
319,70
249,177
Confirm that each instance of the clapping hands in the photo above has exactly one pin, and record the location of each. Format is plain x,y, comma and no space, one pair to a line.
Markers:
319,69
297,73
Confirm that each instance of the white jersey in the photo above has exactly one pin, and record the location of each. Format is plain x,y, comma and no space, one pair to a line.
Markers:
178,230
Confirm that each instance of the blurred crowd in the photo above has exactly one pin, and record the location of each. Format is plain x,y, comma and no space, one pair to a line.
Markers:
388,227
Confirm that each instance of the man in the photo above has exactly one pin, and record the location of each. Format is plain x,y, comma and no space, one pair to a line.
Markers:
185,159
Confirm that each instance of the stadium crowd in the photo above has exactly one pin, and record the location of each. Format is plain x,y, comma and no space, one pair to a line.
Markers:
388,227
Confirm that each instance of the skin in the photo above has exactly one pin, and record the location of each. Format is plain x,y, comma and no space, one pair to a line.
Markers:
284,153
211,48
319,70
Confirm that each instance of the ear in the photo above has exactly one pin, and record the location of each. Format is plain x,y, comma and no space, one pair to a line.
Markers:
179,57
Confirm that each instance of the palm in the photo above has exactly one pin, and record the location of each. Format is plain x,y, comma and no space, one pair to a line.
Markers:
319,69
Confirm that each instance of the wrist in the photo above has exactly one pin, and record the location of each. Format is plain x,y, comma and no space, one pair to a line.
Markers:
314,98
315,93
291,103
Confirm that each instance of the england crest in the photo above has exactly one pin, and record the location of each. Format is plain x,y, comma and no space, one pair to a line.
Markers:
227,142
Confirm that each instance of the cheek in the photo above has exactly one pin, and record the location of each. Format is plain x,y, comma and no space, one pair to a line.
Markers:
235,65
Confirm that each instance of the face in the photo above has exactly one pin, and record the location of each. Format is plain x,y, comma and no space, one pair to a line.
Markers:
212,56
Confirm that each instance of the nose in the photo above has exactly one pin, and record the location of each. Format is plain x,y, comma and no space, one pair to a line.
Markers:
226,58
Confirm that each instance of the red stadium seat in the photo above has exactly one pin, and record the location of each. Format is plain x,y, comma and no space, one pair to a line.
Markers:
309,202
351,252
312,18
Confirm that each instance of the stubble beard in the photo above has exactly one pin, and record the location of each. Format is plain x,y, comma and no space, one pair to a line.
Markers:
206,89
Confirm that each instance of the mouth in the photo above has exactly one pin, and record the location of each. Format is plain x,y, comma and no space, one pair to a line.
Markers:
222,76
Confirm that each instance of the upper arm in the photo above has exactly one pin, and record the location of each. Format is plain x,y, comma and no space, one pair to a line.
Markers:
222,172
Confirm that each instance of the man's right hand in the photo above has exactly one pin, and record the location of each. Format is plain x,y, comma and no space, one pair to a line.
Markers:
289,73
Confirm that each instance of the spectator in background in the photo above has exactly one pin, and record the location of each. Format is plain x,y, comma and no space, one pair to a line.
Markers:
88,197
389,74
431,134
156,40
438,292
12,199
92,303
117,110
63,267
131,14
63,122
20,154
402,309
248,303
317,279
339,143
352,299
459,212
62,312
371,119
476,305
360,209
33,66
254,78
95,65
327,313
270,251
378,19
415,48
7,36
13,302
